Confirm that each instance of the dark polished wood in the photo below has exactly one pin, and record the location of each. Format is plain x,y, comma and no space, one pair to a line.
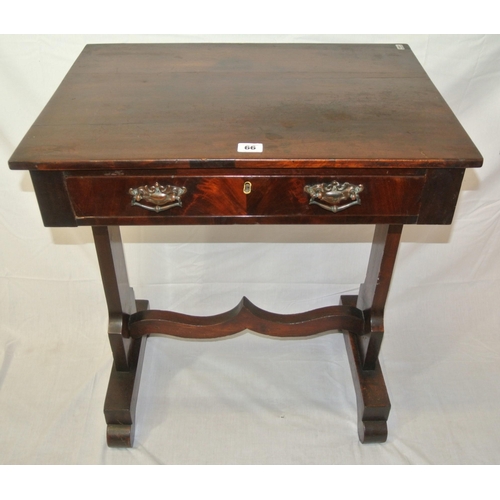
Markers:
128,353
148,135
373,292
369,385
217,197
247,316
312,106
121,397
119,295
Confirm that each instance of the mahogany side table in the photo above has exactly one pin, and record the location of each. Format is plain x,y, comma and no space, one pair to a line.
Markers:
160,134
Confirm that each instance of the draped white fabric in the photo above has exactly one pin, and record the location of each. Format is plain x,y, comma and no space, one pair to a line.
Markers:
250,399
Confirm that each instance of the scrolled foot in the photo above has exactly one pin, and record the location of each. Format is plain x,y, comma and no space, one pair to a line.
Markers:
120,435
371,393
372,431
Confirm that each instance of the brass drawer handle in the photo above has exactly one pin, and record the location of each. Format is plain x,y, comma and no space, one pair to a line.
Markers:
161,197
330,195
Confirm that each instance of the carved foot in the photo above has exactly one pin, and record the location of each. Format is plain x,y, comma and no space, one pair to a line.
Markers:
372,431
120,435
121,398
371,393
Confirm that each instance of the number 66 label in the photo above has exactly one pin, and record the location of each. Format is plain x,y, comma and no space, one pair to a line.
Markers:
250,147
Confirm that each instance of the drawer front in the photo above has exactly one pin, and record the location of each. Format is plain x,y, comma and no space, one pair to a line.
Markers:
161,199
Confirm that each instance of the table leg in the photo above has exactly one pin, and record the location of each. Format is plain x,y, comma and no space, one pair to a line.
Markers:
121,398
363,351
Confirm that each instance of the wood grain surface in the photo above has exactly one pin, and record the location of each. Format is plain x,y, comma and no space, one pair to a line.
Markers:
311,106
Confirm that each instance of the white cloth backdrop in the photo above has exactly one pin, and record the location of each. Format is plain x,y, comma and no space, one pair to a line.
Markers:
249,399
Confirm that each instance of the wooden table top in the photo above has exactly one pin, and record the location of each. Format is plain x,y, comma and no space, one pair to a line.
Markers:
190,105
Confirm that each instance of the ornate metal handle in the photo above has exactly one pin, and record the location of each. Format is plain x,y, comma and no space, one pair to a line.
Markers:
162,197
330,195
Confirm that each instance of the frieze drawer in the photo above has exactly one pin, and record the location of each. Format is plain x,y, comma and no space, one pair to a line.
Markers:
162,199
